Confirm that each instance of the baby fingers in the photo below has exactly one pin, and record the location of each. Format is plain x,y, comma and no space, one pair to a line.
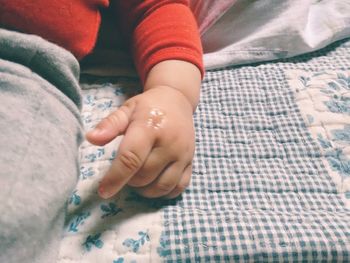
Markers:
165,183
133,151
155,164
182,185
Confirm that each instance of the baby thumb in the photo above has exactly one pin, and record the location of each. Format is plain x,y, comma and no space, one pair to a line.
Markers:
110,127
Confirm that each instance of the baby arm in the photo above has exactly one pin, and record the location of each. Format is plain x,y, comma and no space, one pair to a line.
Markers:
155,155
156,152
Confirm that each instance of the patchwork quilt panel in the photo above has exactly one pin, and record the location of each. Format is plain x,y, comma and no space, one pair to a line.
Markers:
271,173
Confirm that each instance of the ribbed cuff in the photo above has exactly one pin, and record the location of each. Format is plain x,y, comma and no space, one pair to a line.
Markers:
169,32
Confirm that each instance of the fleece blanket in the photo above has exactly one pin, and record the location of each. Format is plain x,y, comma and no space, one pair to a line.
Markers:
40,132
271,173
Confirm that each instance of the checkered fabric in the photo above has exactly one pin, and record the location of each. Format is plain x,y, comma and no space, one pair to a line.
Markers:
260,191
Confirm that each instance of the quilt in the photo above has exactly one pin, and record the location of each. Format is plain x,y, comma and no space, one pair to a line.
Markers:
271,173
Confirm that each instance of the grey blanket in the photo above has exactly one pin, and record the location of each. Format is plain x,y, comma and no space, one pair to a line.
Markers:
40,133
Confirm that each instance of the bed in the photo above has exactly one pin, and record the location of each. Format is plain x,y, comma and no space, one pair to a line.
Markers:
271,173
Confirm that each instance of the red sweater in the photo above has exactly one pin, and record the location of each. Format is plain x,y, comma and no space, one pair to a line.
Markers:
157,29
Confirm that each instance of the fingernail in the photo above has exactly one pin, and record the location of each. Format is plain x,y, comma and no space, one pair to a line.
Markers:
96,131
103,193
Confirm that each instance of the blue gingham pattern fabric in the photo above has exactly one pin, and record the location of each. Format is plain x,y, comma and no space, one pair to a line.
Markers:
271,173
260,190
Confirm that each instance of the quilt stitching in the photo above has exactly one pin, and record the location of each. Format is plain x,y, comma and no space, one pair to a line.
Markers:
260,190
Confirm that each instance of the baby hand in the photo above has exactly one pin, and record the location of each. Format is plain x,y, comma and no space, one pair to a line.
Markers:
156,152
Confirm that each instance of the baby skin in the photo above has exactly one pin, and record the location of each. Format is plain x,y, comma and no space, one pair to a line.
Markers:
155,155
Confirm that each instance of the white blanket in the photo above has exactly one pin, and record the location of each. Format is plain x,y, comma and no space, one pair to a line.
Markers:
252,31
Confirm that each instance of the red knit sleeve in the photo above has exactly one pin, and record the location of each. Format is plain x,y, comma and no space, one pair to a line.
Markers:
160,30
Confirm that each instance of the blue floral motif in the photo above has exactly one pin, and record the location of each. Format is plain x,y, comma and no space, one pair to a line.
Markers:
319,73
78,220
342,134
92,241
87,119
113,155
310,118
341,105
110,210
136,244
333,85
304,81
89,100
74,198
347,195
163,249
323,142
105,105
94,156
86,172
339,162
337,103
343,81
335,157
327,91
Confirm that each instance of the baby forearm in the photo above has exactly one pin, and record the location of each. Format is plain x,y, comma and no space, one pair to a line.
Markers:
180,75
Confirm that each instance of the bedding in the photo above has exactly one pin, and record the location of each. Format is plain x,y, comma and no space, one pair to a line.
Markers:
251,31
41,131
271,173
